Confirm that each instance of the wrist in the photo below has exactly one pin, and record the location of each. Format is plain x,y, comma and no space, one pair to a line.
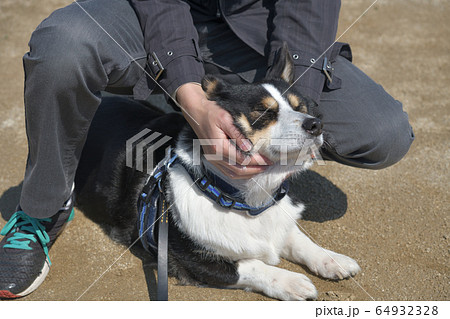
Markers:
193,102
189,95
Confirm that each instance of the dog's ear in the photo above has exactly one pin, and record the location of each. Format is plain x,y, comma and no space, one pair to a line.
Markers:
283,66
212,86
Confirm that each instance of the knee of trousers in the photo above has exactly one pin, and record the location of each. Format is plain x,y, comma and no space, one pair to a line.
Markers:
376,144
65,47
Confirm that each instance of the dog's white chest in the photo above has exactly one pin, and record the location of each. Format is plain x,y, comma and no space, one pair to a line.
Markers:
227,232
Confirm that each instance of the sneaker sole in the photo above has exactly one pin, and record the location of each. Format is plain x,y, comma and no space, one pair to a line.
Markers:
36,283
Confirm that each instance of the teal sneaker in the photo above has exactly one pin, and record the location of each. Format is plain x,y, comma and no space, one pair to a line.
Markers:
24,259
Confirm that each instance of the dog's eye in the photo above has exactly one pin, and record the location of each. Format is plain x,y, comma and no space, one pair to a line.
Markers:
260,110
262,115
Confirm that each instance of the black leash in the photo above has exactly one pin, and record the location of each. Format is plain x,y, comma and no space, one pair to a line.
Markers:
163,237
154,217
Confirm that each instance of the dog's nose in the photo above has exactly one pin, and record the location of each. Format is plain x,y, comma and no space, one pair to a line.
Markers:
313,126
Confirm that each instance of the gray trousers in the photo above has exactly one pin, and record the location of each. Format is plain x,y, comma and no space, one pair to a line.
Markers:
72,59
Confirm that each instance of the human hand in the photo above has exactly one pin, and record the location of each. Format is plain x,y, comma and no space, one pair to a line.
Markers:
210,122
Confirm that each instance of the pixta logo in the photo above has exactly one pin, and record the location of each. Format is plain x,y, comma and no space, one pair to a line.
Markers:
141,147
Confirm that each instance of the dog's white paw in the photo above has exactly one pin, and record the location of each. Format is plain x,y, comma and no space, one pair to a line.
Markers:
332,265
323,262
292,286
274,282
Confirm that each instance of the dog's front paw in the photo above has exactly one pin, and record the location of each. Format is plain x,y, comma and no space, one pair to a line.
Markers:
275,282
335,266
292,286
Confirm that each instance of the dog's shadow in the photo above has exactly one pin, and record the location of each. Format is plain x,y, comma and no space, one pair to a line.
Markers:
323,200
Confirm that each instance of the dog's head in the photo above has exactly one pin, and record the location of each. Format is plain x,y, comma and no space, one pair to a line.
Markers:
271,114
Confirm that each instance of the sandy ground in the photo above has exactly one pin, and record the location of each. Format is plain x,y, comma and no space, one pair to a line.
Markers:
394,222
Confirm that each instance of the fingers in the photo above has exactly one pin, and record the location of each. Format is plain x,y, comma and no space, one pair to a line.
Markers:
255,159
229,151
234,133
238,171
225,150
233,167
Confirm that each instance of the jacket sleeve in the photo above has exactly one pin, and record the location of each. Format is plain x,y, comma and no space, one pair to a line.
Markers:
309,27
171,42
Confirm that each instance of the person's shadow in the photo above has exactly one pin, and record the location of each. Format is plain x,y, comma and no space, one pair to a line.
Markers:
322,199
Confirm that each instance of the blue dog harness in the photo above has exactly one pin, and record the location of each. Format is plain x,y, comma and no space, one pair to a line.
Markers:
228,197
150,204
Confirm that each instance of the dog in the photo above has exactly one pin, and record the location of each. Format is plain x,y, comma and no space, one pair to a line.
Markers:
209,244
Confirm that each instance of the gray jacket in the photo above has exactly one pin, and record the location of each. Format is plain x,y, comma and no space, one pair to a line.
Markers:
251,27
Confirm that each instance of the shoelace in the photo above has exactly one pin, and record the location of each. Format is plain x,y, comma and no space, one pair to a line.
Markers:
22,222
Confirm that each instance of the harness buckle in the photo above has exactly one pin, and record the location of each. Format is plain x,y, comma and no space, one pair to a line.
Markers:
205,186
226,198
162,178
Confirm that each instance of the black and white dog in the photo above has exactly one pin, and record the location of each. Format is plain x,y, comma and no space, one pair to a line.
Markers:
210,244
